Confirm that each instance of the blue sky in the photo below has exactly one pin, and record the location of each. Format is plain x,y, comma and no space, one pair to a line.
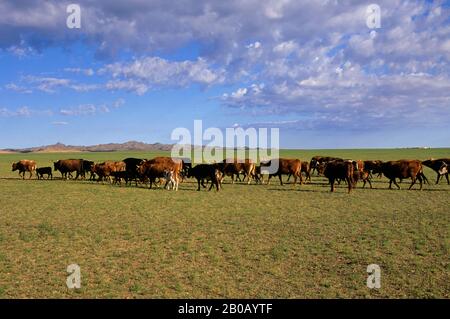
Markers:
138,70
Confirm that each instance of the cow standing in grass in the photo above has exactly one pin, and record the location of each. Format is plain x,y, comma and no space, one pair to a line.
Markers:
208,172
131,167
339,170
157,168
232,167
41,171
68,166
24,166
283,166
403,169
439,166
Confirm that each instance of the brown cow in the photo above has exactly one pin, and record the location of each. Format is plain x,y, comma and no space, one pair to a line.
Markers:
104,170
339,170
231,167
361,176
68,166
306,168
158,167
24,166
317,160
403,169
437,166
283,166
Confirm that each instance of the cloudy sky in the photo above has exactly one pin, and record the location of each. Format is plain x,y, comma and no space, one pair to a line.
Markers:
138,69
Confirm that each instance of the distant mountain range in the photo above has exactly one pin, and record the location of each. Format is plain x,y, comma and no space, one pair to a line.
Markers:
110,147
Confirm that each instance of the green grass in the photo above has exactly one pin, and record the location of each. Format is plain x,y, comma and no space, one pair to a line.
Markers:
247,241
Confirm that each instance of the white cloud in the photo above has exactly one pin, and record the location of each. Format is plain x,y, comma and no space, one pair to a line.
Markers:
142,74
24,111
87,72
17,88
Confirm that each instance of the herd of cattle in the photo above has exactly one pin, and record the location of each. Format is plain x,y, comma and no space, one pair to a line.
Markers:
172,171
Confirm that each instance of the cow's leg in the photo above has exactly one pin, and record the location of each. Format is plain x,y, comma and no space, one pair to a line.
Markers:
370,183
289,177
438,178
395,183
295,179
349,184
213,183
152,180
331,181
413,181
177,182
281,179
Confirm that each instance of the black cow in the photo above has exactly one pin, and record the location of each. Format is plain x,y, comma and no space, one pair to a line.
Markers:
208,172
41,171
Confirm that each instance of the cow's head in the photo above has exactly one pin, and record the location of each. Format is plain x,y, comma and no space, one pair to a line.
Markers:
141,168
55,166
14,167
444,169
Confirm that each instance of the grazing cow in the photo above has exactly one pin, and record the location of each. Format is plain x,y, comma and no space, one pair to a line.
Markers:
284,167
339,170
24,166
231,167
403,169
155,168
68,166
209,172
131,167
438,165
41,171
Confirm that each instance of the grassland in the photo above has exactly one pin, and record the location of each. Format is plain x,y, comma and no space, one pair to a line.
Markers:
264,241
